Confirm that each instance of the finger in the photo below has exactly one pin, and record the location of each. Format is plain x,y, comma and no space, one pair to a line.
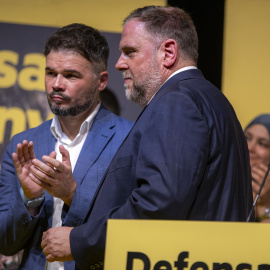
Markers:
53,163
25,150
254,182
257,175
50,258
40,182
42,172
43,168
53,155
17,163
16,159
65,156
41,179
31,150
260,167
46,250
255,187
43,244
20,153
263,166
259,172
44,235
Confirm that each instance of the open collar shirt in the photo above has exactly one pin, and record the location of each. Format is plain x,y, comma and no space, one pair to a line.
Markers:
74,148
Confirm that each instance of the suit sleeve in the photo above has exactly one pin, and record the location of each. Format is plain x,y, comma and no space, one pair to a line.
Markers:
172,154
79,208
17,225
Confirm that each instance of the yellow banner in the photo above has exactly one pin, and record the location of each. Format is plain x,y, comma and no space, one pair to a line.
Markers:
167,245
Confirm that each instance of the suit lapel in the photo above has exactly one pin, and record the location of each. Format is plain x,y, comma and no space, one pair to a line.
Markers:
97,138
45,142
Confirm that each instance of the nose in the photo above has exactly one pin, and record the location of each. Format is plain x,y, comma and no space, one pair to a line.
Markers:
251,146
121,65
58,83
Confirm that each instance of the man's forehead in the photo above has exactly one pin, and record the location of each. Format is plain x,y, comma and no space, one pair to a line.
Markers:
133,26
133,33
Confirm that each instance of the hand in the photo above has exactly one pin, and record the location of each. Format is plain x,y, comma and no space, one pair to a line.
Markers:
258,172
23,161
55,176
56,245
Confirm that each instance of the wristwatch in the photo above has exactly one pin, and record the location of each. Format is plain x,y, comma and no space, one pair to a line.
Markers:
266,214
32,202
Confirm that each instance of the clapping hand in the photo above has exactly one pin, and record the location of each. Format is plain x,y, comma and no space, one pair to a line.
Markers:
54,176
23,160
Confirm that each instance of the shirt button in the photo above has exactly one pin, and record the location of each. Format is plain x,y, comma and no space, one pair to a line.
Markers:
25,222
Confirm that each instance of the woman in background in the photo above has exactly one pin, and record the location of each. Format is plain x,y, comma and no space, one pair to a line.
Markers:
258,138
10,262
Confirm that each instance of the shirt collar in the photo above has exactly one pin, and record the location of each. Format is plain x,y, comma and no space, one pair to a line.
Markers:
57,131
181,70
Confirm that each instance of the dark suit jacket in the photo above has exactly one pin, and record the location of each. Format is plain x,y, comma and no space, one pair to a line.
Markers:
19,230
186,158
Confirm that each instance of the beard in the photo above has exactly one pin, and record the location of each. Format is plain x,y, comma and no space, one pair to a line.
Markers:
73,110
138,95
141,92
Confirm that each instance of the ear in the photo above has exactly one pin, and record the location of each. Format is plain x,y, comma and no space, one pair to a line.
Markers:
169,50
103,80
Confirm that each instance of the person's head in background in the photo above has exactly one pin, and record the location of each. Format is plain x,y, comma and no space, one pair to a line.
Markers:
110,101
257,134
76,63
156,41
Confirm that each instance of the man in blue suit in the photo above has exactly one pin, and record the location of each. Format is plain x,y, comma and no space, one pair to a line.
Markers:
76,147
186,157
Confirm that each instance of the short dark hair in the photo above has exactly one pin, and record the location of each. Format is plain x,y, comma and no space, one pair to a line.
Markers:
169,22
83,39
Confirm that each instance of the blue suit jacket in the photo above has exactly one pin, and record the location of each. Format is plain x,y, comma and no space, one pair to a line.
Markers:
19,230
186,158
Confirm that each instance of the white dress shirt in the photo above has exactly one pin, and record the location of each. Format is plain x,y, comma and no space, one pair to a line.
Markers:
74,148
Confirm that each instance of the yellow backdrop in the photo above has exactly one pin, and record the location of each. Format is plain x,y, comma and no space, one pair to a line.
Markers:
105,15
246,57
